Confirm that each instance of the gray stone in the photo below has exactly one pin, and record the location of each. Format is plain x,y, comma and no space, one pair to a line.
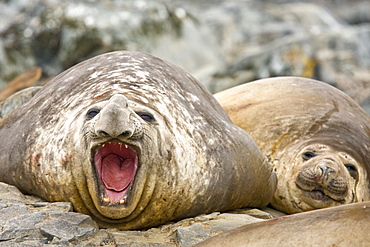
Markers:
10,194
22,226
143,238
297,39
197,232
35,222
16,100
54,207
186,232
56,35
68,226
222,43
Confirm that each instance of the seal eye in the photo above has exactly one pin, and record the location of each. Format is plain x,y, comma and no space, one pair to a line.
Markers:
352,170
92,113
308,155
146,116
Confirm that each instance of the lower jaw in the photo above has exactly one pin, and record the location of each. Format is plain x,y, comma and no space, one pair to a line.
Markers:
320,197
110,197
316,195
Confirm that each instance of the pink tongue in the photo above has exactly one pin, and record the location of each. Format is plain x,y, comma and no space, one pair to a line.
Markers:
117,173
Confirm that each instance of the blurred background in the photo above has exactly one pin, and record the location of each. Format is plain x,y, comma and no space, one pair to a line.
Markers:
221,43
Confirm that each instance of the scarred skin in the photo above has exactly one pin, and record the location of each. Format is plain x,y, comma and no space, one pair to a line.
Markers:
183,156
316,138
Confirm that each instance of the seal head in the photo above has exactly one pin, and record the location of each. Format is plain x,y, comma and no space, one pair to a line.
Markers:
316,138
133,141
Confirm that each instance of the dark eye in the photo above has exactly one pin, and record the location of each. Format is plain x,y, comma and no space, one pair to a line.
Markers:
352,170
146,116
92,113
308,155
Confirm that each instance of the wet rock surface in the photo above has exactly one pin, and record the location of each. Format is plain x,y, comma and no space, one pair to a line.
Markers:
29,221
222,43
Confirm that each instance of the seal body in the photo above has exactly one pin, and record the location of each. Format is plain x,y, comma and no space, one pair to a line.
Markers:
316,138
342,226
133,141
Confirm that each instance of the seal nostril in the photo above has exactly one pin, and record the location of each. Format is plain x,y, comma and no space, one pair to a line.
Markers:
323,168
126,133
102,133
320,173
327,171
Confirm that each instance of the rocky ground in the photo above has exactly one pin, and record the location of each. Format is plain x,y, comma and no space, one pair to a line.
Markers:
30,221
222,43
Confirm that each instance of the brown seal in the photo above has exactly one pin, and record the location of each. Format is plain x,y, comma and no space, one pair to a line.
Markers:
133,141
315,136
346,225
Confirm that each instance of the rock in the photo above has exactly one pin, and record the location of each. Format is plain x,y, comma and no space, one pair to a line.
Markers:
222,43
22,81
197,232
148,238
56,35
351,12
290,55
185,232
17,99
298,39
29,221
22,223
10,194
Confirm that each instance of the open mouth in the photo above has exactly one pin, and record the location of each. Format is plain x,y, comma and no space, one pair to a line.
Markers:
116,164
317,195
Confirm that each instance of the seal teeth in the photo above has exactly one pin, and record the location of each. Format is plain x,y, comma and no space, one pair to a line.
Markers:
126,146
122,201
103,145
106,200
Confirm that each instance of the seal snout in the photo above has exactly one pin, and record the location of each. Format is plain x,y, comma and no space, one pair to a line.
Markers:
323,177
324,172
116,120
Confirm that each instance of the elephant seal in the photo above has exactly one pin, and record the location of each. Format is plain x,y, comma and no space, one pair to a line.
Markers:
346,225
315,136
133,141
